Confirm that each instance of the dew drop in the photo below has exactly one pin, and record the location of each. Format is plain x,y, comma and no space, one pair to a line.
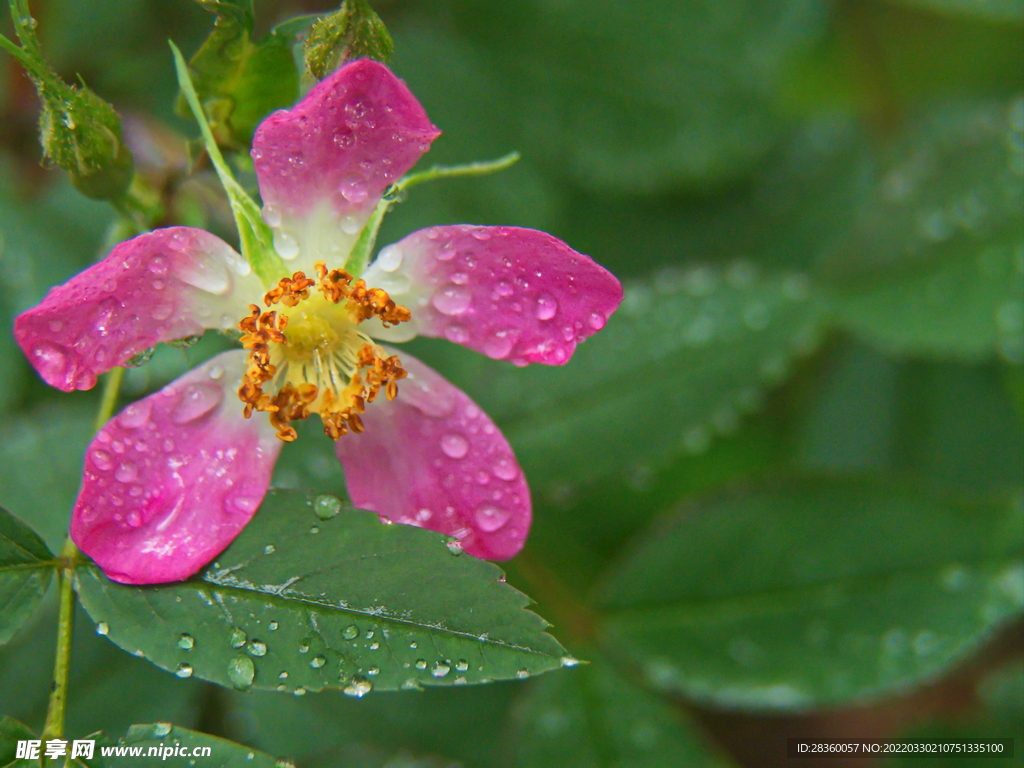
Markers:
101,459
126,472
183,670
102,628
272,626
454,546
373,671
454,446
317,661
135,415
420,664
451,300
506,469
350,632
271,215
499,345
257,648
326,506
413,645
440,669
358,687
197,401
241,672
390,258
186,642
547,306
523,673
461,665
287,247
269,549
490,518
237,638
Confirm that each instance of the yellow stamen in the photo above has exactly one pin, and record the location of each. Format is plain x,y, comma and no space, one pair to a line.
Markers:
324,364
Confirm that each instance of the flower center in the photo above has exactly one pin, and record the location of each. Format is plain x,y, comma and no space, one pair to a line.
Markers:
309,356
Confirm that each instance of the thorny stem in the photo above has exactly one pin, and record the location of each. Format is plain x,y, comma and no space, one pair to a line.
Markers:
54,727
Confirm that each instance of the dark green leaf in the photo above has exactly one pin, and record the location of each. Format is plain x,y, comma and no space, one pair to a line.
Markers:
593,717
164,736
813,593
240,81
685,357
109,690
935,263
11,732
298,603
26,569
643,99
986,10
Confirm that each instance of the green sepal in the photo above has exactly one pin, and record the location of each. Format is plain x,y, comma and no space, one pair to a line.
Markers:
240,81
254,235
354,31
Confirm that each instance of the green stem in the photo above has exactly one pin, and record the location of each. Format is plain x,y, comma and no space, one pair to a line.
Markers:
54,727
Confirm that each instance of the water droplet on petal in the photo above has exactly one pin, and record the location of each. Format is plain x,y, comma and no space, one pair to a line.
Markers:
126,472
101,459
506,469
390,258
454,446
547,306
241,672
135,415
596,321
287,247
499,345
451,300
490,518
197,401
271,215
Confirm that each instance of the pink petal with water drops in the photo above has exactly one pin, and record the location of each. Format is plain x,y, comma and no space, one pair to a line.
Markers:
160,286
324,164
432,458
173,478
514,294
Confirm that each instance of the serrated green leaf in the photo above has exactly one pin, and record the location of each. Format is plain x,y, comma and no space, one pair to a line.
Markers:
673,95
240,81
301,603
11,732
684,358
108,689
136,744
813,593
935,263
986,10
26,569
594,717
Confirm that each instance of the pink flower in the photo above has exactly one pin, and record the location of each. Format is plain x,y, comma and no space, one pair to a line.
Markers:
171,480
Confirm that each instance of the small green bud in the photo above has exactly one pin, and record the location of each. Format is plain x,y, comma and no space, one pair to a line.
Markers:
352,32
81,133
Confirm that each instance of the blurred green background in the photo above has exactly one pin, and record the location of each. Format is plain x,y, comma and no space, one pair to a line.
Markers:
780,495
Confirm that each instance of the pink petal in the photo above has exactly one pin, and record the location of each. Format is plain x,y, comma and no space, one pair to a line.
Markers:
174,477
514,294
163,285
431,457
324,164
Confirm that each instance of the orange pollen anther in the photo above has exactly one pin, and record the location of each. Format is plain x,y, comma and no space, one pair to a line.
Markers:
324,364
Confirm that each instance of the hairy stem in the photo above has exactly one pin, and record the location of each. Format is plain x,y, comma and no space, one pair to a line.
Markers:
54,727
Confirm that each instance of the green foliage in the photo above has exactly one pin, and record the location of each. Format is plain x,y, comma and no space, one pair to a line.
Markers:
595,717
11,732
353,31
280,610
240,81
987,10
161,736
26,569
813,593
